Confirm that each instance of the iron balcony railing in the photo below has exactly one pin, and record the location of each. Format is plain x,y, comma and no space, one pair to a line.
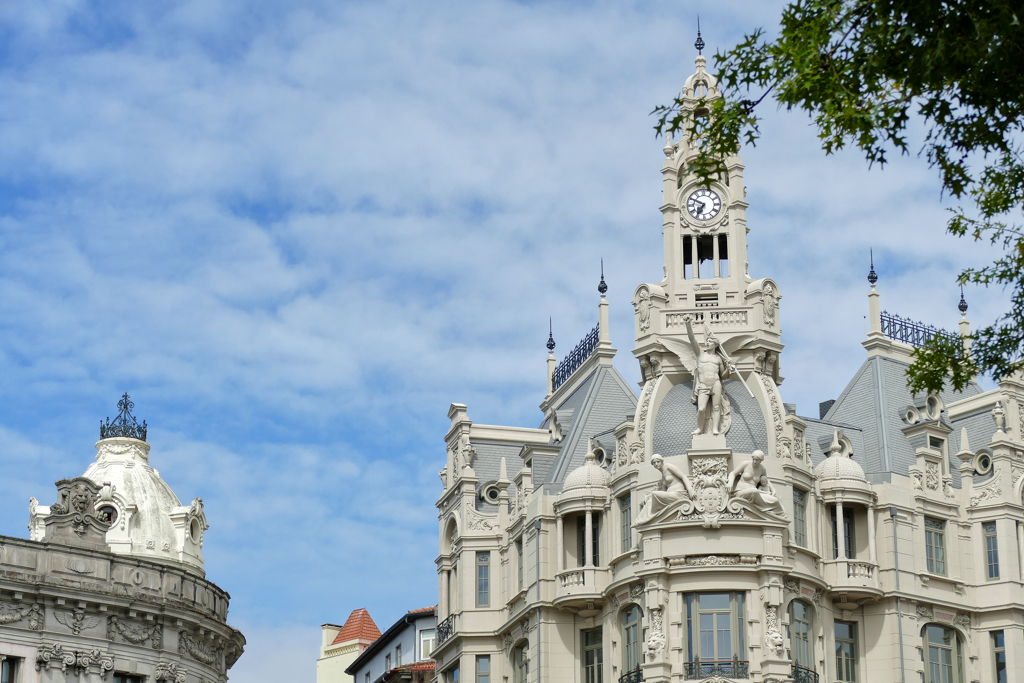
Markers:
575,358
723,668
446,629
634,676
909,331
802,674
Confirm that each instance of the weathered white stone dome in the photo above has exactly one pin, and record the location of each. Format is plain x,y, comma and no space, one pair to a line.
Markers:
589,475
838,466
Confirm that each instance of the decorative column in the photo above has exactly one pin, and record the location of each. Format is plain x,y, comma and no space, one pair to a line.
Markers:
693,256
560,543
840,532
442,589
588,541
871,535
1020,546
714,253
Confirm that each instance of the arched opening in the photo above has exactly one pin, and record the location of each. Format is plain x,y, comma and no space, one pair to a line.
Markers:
521,662
801,635
630,620
943,654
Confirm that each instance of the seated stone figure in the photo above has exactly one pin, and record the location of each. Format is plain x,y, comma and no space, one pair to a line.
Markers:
749,482
674,487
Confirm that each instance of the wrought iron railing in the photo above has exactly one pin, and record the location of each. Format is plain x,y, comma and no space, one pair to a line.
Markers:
909,331
446,629
574,359
124,425
634,676
723,668
802,674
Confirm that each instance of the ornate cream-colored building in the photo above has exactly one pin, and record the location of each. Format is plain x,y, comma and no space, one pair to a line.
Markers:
705,531
110,585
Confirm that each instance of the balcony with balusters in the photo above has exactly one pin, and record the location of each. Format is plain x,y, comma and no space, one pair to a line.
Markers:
579,586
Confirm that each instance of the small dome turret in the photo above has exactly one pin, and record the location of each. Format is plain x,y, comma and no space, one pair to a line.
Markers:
839,465
589,475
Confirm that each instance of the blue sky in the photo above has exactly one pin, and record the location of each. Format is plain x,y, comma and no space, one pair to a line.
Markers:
296,232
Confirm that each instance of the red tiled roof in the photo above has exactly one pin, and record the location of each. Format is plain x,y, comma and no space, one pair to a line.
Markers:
423,609
358,626
422,665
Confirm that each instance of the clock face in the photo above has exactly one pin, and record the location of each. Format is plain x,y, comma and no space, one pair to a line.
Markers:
703,204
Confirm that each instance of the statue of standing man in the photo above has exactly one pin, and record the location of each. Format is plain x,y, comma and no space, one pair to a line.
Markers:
712,368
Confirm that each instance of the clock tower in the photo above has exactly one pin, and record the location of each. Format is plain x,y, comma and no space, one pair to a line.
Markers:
706,277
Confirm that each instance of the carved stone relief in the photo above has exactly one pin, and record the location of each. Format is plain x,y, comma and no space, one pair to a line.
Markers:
198,650
769,303
12,613
91,661
641,425
135,634
76,621
475,522
773,640
642,308
769,387
988,492
168,671
656,639
931,475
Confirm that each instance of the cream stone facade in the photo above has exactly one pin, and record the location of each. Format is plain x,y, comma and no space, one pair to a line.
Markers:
110,585
703,530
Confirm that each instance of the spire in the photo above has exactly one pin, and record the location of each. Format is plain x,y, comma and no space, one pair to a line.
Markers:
872,276
551,339
602,287
962,306
699,44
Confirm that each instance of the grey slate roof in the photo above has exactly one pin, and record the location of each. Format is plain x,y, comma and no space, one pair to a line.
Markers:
871,405
677,418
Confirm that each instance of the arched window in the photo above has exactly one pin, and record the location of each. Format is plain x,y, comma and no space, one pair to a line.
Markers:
521,663
802,634
631,638
943,654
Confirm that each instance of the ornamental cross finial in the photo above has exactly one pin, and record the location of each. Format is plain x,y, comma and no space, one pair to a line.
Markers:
700,41
962,306
551,339
602,286
124,425
872,276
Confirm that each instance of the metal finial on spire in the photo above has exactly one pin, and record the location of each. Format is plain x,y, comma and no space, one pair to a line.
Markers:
603,286
551,338
962,306
700,41
124,425
872,276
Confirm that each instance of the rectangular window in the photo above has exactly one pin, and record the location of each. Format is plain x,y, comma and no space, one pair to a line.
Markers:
387,662
593,656
800,517
8,669
631,638
519,567
849,543
999,649
483,578
127,678
426,643
398,655
483,669
626,514
687,258
453,675
723,256
935,545
715,626
705,258
991,550
846,651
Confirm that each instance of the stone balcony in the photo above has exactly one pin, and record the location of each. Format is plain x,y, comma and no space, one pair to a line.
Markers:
857,579
579,586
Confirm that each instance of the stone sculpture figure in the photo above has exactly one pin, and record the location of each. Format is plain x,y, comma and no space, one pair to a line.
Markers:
710,366
674,487
749,482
